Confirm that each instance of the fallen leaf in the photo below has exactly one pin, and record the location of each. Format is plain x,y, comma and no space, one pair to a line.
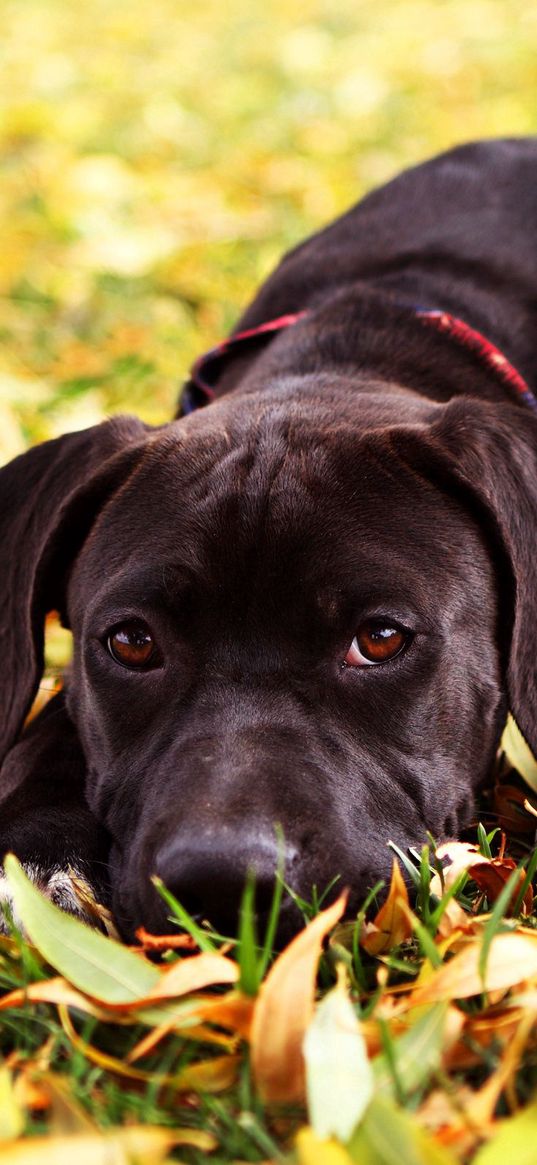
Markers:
103,968
122,1147
283,1010
490,874
515,1141
339,1079
512,959
419,1051
233,1011
11,1114
187,975
519,753
53,991
213,1075
313,1150
391,926
390,1136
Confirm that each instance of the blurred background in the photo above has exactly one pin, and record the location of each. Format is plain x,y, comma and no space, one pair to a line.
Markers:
157,158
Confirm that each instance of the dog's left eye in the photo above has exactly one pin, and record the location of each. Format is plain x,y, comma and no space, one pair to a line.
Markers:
132,645
376,642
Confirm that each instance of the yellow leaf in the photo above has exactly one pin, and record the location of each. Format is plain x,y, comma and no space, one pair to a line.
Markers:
512,959
312,1150
11,1115
392,924
519,753
283,1010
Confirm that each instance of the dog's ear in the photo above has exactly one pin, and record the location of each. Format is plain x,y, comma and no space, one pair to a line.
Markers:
487,455
48,500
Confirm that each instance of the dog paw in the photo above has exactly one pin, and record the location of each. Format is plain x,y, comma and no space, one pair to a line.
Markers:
65,888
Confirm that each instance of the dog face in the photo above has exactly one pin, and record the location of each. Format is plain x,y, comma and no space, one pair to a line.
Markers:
220,607
284,613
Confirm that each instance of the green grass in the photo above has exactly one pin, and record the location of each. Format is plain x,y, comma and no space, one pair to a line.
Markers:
63,1052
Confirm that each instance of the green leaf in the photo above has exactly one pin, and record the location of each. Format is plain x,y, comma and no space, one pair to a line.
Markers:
416,1054
102,968
516,1141
339,1079
389,1136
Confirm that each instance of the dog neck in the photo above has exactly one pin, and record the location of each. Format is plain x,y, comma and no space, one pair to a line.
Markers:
199,389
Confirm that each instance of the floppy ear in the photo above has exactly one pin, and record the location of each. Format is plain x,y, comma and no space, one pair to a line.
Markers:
48,499
487,454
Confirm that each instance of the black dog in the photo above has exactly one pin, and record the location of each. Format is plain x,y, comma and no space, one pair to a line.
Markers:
312,602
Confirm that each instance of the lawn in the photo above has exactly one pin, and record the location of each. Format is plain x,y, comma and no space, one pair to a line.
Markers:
157,158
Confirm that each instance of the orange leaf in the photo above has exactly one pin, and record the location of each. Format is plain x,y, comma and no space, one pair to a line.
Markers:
392,924
53,991
232,1011
164,942
512,959
283,1010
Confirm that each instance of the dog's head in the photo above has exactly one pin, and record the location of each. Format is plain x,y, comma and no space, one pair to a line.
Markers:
285,611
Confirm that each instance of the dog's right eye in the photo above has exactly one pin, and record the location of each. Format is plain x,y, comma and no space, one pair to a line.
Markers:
132,645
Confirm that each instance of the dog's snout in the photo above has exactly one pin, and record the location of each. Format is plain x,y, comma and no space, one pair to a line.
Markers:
208,874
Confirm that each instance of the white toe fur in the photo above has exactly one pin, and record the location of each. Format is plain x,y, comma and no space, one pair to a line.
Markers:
56,884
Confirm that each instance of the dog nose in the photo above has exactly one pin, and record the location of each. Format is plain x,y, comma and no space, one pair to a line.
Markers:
208,875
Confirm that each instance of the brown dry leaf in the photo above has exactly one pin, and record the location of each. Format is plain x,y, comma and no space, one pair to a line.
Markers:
515,813
491,877
454,920
198,1032
490,874
284,1008
512,959
392,924
233,1011
455,857
480,1110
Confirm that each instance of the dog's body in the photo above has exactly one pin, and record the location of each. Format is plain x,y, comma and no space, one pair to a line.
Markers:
361,479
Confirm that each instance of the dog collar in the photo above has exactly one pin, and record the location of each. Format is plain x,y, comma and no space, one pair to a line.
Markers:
199,388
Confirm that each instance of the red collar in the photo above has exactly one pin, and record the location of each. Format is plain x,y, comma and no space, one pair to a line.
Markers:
199,389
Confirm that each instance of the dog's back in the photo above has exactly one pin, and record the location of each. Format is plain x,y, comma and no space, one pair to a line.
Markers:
458,232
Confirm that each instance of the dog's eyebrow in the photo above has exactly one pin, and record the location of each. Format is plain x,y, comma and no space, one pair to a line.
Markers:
164,585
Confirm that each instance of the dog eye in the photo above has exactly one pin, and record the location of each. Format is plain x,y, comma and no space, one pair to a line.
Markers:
131,644
376,642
